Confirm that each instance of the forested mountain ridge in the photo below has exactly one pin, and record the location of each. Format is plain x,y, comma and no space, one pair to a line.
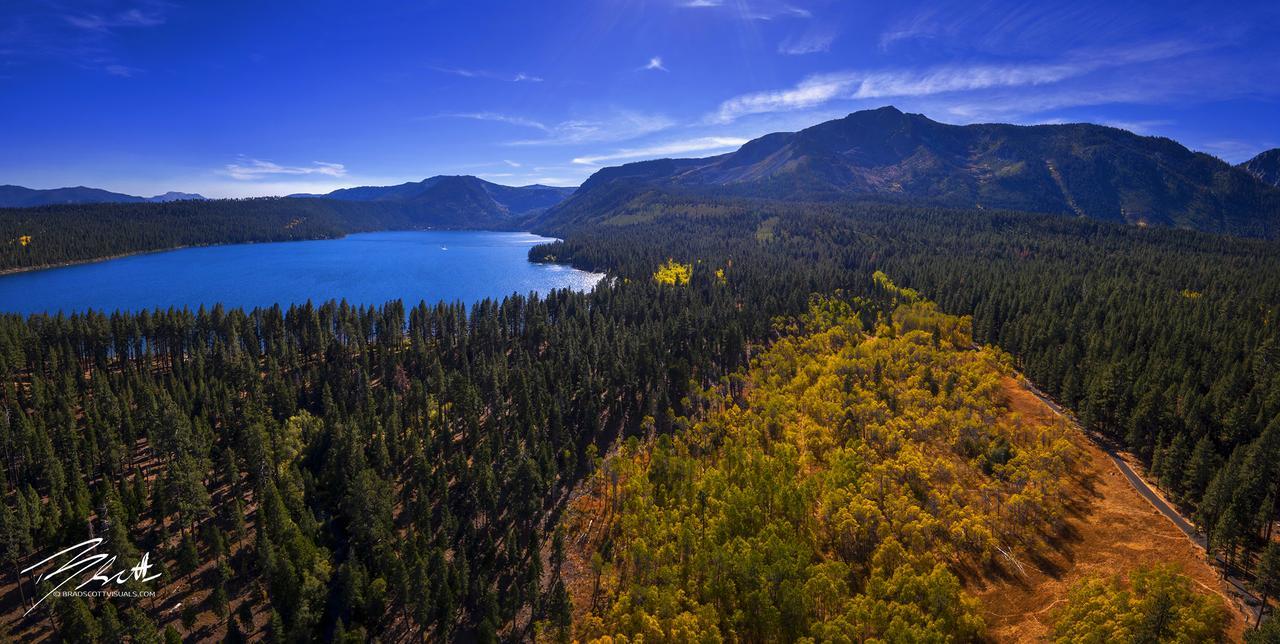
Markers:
462,200
20,197
1265,166
1087,170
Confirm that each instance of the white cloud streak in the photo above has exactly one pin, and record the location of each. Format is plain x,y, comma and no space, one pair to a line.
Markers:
520,77
822,88
919,26
129,18
254,169
655,64
123,71
619,126
498,117
703,144
752,10
853,85
810,43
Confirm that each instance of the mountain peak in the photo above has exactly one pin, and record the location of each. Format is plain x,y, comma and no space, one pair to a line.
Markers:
886,114
886,109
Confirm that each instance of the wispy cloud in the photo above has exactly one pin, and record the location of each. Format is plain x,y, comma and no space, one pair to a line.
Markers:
1172,81
808,43
798,12
252,169
133,17
853,85
703,144
498,117
616,126
123,71
921,25
810,92
817,90
751,10
655,64
87,38
519,77
513,164
771,10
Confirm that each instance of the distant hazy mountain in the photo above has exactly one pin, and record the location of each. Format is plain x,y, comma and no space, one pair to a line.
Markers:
460,201
1265,166
1079,169
175,196
20,197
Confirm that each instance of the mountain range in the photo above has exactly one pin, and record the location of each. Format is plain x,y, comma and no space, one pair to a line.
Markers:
20,197
1083,170
460,201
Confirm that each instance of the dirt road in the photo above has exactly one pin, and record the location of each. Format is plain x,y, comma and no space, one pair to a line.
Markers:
1244,597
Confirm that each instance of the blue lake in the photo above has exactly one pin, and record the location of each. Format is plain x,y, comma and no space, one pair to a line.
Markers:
368,268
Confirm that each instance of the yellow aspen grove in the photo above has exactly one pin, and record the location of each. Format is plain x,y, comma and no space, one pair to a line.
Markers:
835,501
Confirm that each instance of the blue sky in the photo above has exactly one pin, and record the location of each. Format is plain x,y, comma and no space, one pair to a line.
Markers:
259,98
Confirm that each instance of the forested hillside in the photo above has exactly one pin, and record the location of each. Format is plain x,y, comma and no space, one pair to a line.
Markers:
52,235
840,491
868,452
328,471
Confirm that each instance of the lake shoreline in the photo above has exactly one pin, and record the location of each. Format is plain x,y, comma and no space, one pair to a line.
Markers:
404,265
80,262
